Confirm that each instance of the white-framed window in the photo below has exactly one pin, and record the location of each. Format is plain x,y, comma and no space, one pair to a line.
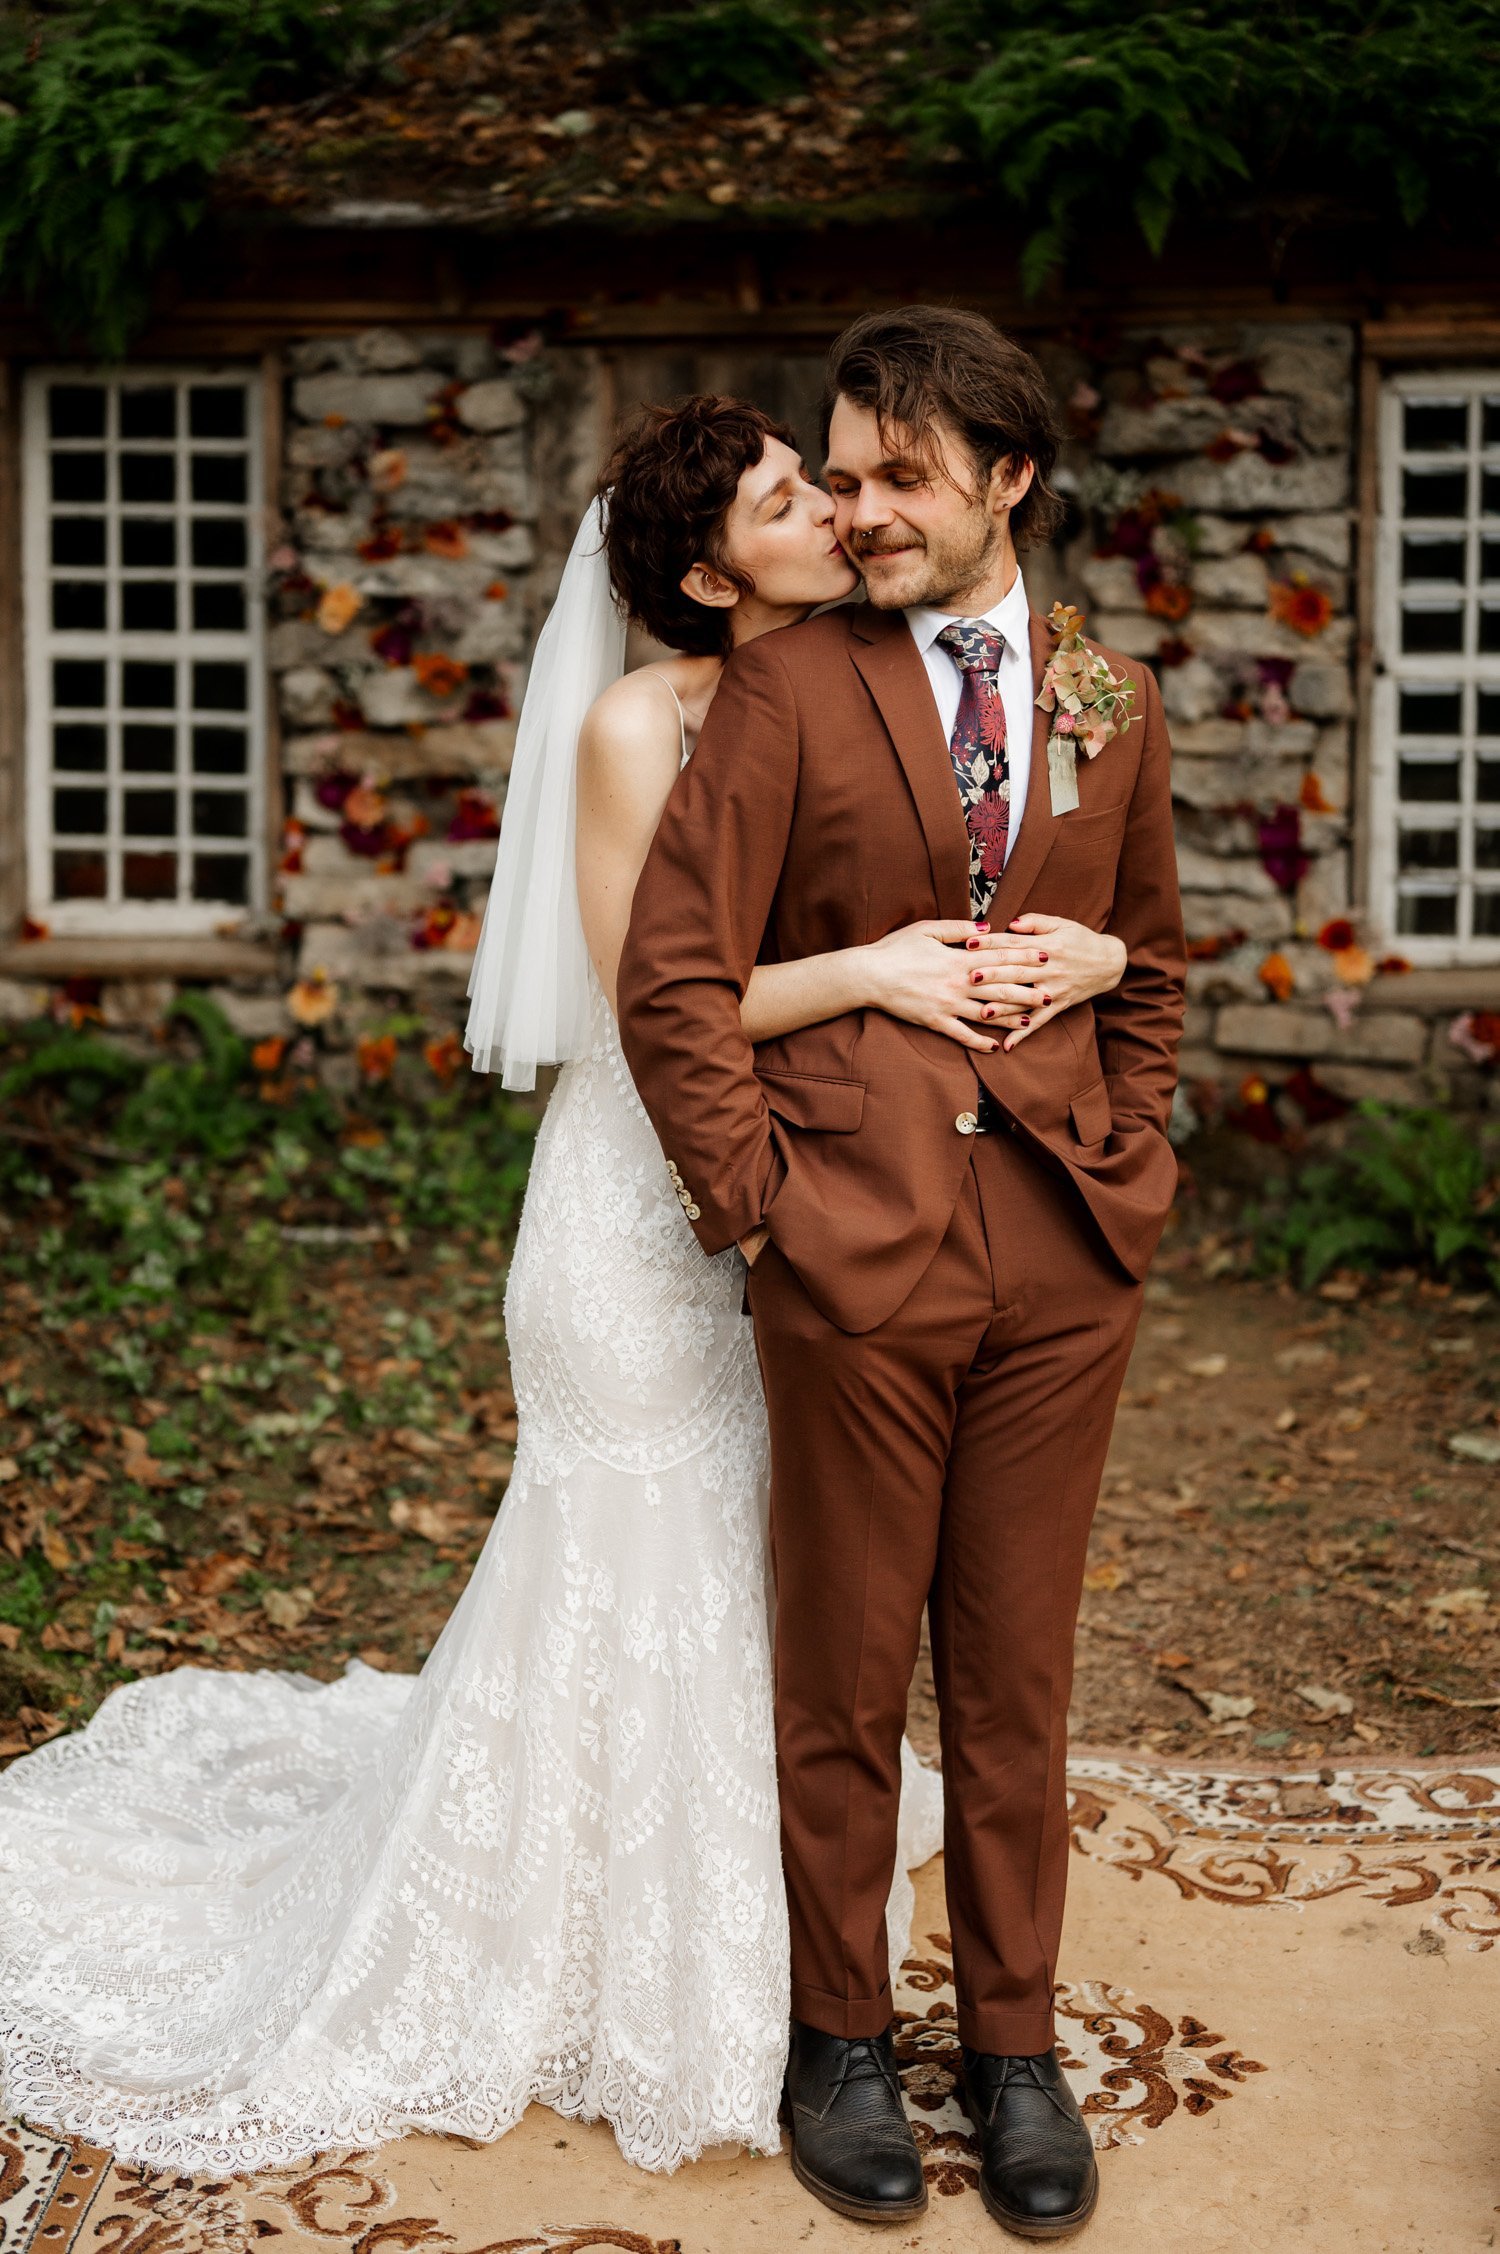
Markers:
1435,767
145,680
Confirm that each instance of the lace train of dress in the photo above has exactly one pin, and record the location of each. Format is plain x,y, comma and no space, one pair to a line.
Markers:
248,1917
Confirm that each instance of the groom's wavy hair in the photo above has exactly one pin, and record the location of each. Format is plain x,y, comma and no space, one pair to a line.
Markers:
668,488
921,364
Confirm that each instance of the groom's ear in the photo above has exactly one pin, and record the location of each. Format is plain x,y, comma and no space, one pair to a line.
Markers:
1010,480
705,585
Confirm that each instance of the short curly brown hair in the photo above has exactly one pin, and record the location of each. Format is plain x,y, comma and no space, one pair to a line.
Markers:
668,489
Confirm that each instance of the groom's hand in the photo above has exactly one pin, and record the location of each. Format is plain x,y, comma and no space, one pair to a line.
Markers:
754,1245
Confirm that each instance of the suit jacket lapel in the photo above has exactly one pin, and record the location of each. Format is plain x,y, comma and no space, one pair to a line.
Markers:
1038,822
892,669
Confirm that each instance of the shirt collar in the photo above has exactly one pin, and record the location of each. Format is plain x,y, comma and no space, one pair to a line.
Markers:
1011,616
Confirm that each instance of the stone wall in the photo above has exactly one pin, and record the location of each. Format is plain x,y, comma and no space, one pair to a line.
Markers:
429,489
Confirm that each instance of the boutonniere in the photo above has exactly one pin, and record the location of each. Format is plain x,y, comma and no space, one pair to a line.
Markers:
1089,704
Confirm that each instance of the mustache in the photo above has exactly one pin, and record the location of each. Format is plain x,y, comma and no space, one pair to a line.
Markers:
872,544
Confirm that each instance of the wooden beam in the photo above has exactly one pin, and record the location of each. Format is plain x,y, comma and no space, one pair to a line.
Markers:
1367,512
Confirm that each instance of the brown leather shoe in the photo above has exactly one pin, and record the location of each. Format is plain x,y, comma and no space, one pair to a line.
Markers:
852,2145
1038,2176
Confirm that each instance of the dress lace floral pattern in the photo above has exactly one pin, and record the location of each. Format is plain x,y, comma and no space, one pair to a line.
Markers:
247,1918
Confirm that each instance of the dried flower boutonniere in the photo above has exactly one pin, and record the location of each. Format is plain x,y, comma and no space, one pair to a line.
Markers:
1089,704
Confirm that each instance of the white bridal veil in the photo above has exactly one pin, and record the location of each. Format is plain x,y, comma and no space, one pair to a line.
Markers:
530,988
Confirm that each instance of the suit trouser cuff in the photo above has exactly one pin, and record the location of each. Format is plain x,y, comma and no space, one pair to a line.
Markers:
1007,2033
853,2017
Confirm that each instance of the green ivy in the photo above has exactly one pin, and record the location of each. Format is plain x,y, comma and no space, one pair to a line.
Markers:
1079,110
116,115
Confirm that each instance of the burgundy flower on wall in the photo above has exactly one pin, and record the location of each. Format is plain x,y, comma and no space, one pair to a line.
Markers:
475,817
1281,854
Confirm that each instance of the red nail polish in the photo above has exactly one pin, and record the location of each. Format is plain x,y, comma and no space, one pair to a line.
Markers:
994,1045
971,942
1046,1001
1041,958
981,927
1025,1021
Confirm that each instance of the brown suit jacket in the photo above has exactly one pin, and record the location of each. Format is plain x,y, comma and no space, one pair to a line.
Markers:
820,811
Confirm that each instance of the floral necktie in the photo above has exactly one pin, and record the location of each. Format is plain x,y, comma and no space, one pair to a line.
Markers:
977,748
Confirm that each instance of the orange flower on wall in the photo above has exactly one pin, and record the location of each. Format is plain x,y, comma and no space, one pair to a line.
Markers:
266,1056
1169,600
440,676
1306,609
376,1055
313,999
1336,935
444,1056
446,539
339,608
1276,975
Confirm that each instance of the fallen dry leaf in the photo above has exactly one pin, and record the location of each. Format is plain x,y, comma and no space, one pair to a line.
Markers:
1207,1365
1458,1601
1475,1447
435,1522
9,1637
287,1608
1326,1701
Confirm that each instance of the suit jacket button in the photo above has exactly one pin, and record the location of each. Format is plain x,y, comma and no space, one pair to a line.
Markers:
693,1212
966,1122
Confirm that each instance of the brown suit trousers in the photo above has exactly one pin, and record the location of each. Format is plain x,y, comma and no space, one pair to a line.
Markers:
942,1317
949,1456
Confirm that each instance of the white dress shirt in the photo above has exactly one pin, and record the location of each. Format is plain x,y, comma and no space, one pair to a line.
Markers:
1011,617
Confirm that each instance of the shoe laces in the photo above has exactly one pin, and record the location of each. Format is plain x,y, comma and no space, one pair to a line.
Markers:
866,2061
1026,2070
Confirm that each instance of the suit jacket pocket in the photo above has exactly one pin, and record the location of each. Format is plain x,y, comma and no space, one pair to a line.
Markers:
812,1100
1090,1113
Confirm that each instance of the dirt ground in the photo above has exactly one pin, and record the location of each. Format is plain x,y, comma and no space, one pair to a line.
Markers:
1290,1556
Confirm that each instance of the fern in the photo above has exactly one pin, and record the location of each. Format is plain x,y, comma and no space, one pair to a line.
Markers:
727,51
115,116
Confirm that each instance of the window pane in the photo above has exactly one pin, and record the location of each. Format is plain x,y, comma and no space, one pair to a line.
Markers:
221,876
216,411
75,410
218,477
220,688
78,477
1431,712
1489,559
149,413
1427,915
1426,555
148,687
78,606
80,813
78,681
1431,631
78,748
79,876
218,607
218,813
148,543
148,477
1490,493
78,540
1487,782
1489,712
150,813
1489,629
219,543
150,876
149,606
219,751
148,751
1435,493
1487,914
1436,426
1487,848
1430,779
1428,849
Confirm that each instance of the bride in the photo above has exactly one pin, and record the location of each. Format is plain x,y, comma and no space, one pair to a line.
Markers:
251,1917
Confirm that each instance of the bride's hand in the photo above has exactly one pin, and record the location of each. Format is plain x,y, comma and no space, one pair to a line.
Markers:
1041,966
926,974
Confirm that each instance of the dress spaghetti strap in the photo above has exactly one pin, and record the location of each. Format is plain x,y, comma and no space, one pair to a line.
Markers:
681,715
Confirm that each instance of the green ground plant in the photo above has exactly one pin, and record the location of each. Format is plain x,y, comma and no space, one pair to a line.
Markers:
1411,1188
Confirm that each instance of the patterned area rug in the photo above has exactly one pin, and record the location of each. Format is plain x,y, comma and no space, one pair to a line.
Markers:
1276,2022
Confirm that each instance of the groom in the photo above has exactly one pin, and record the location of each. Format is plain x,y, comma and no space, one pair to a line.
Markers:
947,1246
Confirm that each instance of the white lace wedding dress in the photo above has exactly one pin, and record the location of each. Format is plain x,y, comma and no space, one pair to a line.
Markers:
246,1917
